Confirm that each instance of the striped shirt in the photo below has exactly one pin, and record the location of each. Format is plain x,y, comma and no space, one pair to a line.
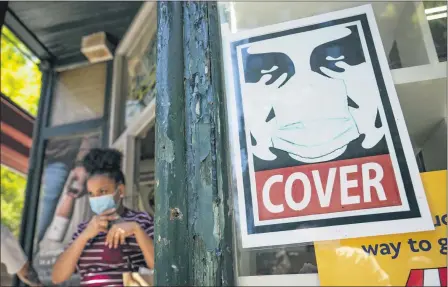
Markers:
100,265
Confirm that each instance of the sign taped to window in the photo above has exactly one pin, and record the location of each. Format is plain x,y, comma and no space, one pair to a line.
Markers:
321,150
414,259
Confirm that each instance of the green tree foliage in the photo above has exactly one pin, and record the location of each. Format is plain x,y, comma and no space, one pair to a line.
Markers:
20,74
20,81
12,198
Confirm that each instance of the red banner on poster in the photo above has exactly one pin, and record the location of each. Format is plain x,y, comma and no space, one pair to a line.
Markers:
328,187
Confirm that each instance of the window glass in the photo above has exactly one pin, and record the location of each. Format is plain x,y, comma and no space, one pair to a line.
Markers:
79,95
402,31
20,74
141,71
146,172
63,202
434,150
141,171
278,261
436,12
399,23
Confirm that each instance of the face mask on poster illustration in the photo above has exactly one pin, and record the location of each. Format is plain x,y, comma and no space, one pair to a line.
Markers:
310,95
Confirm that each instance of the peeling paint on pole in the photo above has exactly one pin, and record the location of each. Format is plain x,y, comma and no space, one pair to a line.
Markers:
194,225
170,248
166,151
206,211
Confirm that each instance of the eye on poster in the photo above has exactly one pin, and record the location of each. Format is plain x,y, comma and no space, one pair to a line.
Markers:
321,149
413,259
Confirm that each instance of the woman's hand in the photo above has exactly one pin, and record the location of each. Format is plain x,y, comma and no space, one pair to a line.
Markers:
119,232
99,223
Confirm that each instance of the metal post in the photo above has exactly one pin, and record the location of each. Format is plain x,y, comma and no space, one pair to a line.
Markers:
193,222
32,191
3,8
107,104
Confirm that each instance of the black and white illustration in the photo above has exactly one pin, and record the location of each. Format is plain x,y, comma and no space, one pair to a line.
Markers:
311,95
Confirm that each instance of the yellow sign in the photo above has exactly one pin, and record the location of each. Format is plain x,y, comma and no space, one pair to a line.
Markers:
411,259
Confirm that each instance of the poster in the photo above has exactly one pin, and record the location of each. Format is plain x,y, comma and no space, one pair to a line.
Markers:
64,202
320,147
413,259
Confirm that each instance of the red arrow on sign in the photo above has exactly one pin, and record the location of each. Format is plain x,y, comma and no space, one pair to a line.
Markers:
427,277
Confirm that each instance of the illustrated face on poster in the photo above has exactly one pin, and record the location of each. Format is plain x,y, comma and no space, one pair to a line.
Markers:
322,141
317,97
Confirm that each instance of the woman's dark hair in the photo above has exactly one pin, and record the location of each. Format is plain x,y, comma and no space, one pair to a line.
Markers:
104,161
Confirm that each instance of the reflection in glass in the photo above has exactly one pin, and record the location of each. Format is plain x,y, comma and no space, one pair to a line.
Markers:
397,22
436,13
141,68
393,20
146,169
301,260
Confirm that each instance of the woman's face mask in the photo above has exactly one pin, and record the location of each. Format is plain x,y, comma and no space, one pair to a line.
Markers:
99,204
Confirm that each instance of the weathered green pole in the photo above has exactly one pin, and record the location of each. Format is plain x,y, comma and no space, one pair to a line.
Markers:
193,223
208,216
171,233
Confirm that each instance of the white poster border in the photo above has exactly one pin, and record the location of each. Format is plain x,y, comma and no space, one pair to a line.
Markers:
418,224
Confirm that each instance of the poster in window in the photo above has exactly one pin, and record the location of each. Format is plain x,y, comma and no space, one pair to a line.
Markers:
64,202
321,148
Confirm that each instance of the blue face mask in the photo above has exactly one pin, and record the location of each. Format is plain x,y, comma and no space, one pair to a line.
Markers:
99,204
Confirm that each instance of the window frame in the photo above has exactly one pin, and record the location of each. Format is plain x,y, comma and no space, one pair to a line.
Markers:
126,139
146,119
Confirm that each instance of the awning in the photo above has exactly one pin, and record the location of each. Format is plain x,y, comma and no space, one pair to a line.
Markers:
53,30
16,135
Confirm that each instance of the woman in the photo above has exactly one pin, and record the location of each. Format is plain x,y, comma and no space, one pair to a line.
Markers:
116,238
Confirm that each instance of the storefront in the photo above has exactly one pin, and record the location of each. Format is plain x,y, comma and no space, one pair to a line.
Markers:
221,109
